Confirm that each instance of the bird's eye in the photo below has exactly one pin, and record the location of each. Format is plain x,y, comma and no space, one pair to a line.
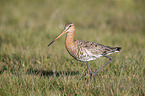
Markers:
69,25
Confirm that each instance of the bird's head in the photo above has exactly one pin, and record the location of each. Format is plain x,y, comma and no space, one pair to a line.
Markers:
69,28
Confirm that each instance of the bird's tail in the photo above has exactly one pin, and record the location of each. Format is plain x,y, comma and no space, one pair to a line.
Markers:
117,49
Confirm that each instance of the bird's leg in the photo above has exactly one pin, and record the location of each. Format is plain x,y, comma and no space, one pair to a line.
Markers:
110,58
89,70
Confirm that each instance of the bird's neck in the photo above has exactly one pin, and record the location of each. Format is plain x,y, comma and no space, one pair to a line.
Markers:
69,42
70,37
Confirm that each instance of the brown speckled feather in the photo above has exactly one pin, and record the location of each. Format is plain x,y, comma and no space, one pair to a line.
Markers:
88,50
95,48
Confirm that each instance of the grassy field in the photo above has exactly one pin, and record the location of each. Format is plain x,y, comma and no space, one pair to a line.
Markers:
29,67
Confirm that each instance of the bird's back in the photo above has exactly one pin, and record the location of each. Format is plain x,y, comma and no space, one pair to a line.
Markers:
87,50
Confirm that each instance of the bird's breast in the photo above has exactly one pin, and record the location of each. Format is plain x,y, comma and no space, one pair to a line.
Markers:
72,49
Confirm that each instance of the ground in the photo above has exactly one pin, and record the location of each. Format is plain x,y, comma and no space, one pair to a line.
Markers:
29,67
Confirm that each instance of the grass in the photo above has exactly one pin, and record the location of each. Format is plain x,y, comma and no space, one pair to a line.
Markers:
29,67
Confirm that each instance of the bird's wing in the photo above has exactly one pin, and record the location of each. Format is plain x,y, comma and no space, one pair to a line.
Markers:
95,48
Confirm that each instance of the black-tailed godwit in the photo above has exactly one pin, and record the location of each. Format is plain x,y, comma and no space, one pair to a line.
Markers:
85,50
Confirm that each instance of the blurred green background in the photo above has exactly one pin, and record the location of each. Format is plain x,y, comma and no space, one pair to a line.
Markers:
29,67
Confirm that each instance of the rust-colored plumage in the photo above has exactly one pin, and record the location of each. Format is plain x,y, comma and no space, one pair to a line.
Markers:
85,50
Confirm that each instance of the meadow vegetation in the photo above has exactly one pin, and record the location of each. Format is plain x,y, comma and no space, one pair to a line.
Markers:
29,67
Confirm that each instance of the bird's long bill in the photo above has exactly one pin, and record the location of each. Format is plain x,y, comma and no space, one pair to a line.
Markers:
58,37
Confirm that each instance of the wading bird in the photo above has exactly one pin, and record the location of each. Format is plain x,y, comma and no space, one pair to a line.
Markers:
85,50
